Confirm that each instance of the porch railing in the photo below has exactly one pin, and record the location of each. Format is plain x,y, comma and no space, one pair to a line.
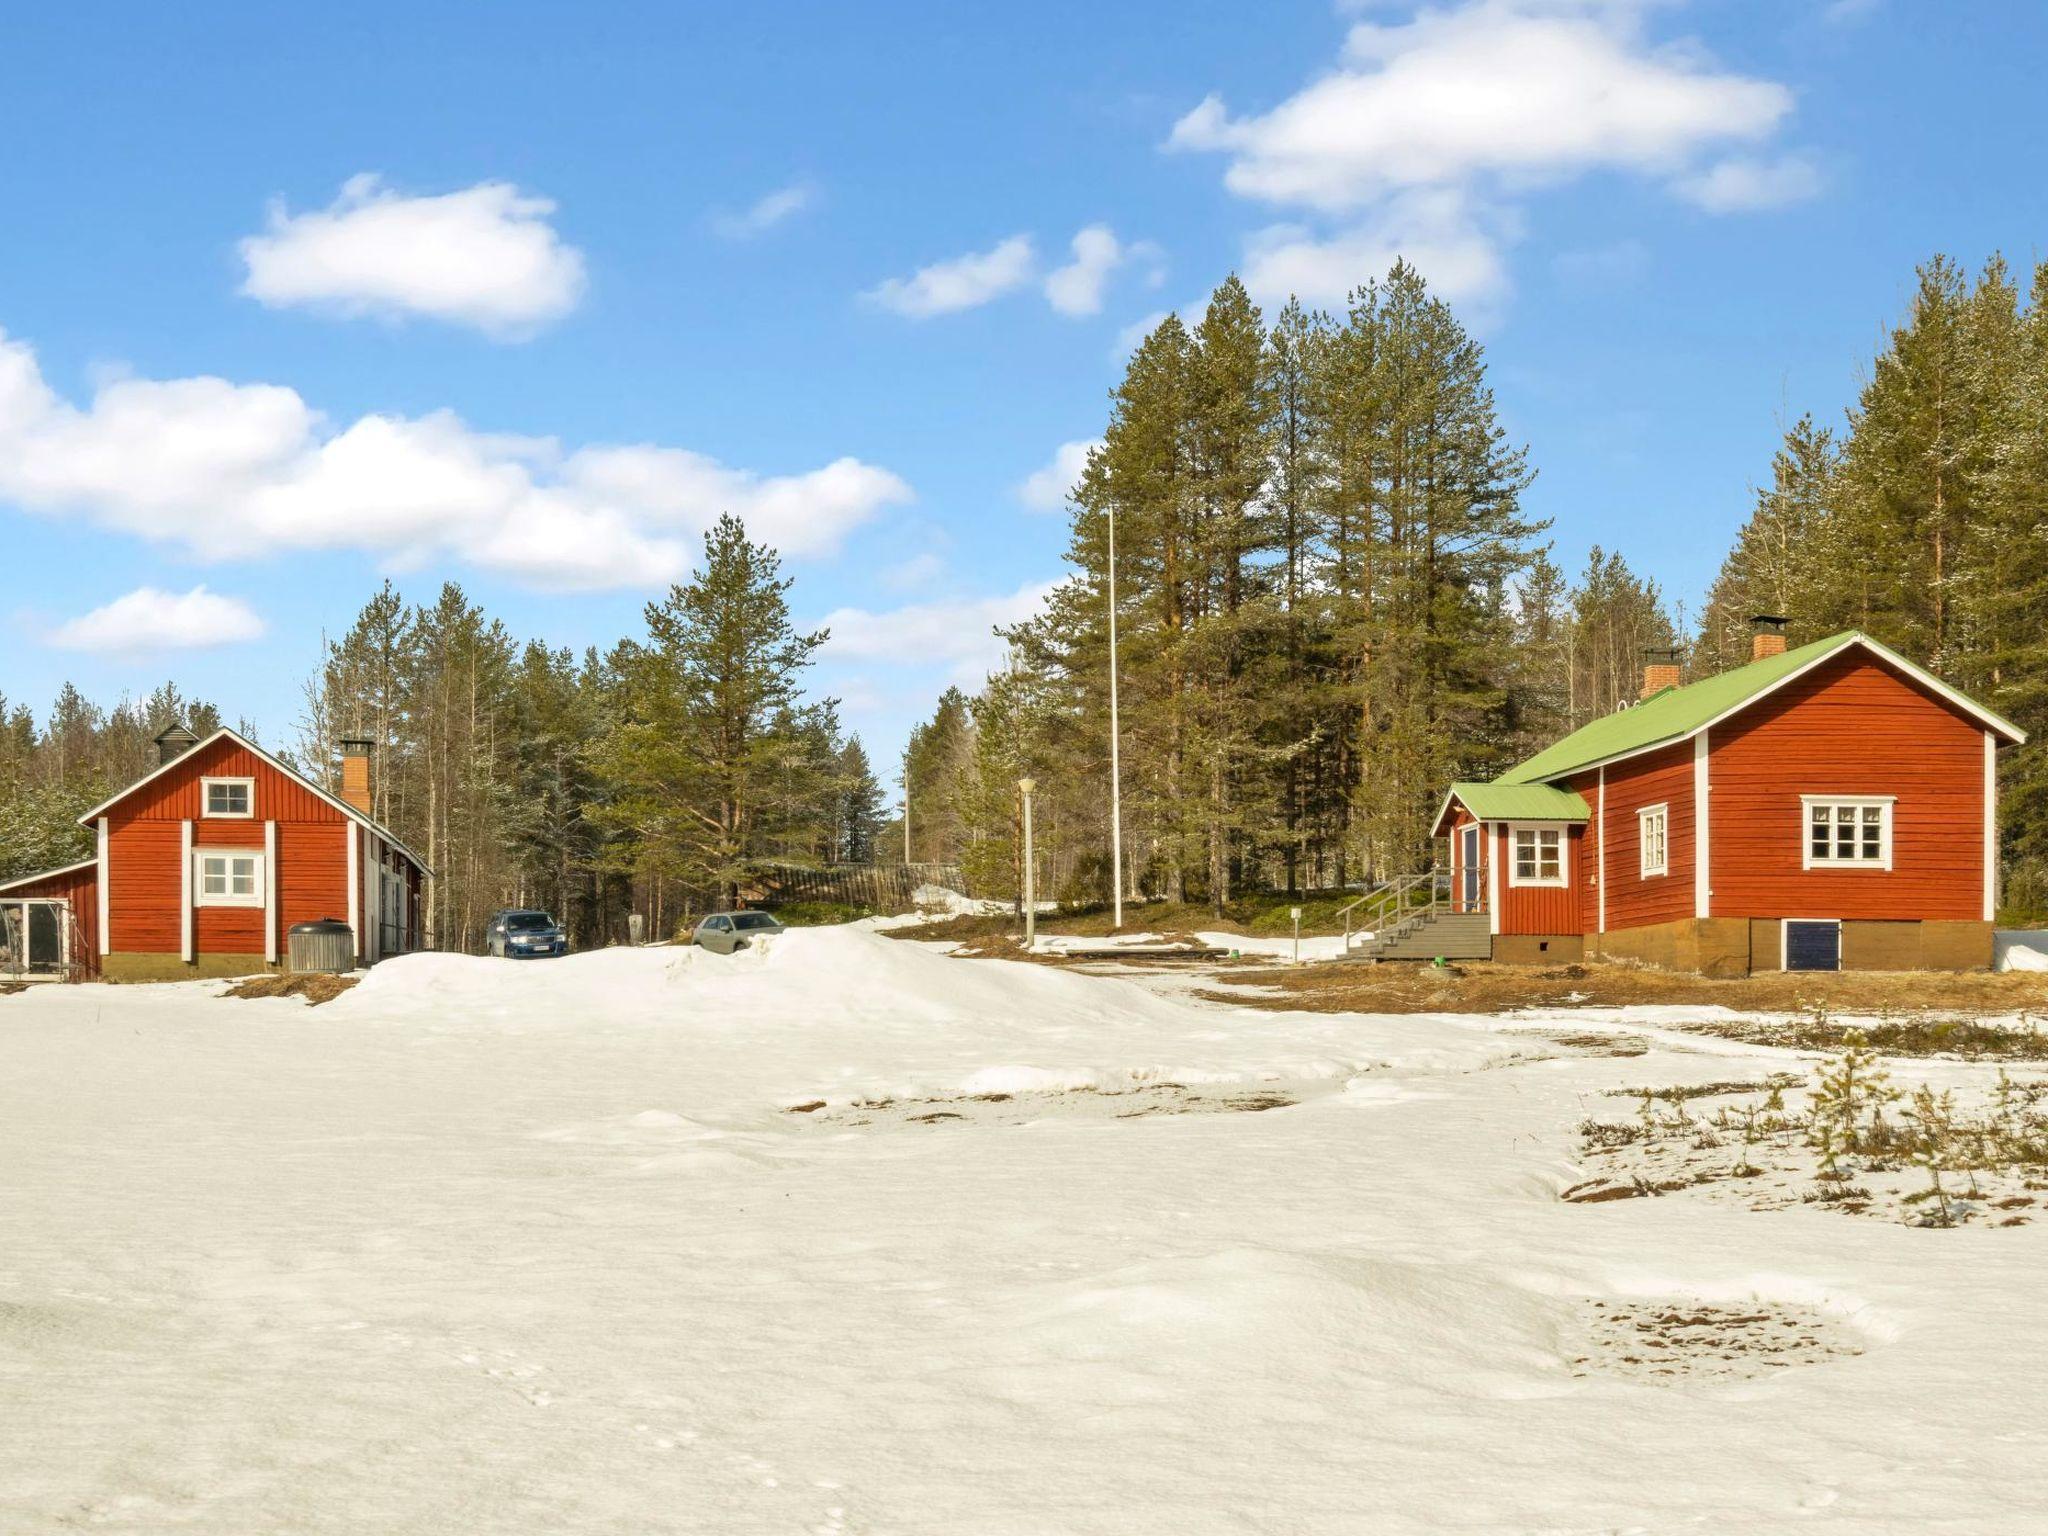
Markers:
1394,901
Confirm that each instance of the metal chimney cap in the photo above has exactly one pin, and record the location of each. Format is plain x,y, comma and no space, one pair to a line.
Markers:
356,746
176,732
1775,622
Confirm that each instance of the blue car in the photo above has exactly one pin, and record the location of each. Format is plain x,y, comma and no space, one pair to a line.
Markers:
524,935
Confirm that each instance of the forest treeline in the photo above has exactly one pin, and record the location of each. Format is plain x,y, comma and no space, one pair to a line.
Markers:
660,776
1330,602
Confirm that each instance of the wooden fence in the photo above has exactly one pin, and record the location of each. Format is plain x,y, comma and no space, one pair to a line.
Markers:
881,887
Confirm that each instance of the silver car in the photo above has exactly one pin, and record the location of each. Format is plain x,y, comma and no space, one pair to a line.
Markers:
724,932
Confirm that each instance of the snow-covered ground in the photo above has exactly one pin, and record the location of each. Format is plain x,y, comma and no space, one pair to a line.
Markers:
850,1236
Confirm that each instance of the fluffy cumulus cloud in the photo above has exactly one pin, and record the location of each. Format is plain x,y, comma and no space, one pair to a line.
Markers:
1455,246
958,634
1078,287
1075,288
485,256
149,619
1739,184
224,471
1430,132
965,282
764,213
1046,488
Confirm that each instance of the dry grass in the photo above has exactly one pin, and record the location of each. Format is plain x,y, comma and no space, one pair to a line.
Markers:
315,987
1355,987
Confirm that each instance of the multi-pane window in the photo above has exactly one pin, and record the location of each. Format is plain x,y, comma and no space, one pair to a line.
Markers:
1850,832
229,879
1653,825
1539,856
228,797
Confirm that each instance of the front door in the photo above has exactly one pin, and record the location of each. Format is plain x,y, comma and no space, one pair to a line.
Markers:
1468,866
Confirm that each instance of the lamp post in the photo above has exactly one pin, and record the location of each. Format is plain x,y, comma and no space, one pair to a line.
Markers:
1116,776
1025,787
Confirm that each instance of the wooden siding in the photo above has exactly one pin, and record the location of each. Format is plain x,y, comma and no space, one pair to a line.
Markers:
1852,726
1633,899
81,889
1540,909
143,886
145,883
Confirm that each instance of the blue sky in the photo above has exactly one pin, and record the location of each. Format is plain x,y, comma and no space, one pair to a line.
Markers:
293,297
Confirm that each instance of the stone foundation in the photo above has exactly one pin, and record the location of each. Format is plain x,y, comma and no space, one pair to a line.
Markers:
1736,946
143,967
1538,948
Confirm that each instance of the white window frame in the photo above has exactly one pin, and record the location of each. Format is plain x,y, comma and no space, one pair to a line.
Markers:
253,897
206,799
1881,864
1563,877
1661,814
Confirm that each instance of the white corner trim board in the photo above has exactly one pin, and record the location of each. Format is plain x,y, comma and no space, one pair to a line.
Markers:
355,887
1990,826
1702,841
270,893
1493,841
106,938
185,891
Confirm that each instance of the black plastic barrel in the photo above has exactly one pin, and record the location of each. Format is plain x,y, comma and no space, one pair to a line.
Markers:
325,945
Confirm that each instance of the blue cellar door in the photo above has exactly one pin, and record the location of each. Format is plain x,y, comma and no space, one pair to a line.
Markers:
1813,946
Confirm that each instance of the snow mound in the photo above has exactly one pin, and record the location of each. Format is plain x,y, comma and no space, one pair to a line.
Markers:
2021,949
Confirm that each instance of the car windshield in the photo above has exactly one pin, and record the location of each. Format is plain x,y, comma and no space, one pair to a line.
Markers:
746,920
528,922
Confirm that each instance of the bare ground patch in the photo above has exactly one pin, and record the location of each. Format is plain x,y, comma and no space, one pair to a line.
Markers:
1684,1340
315,987
1144,1102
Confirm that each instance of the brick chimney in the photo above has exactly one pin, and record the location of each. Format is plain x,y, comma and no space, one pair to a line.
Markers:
1767,635
174,743
355,772
1660,668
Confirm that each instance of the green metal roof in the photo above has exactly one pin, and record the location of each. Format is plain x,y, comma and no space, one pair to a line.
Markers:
1677,713
1517,802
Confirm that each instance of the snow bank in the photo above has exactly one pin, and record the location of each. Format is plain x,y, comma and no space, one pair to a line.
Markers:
572,1246
2020,949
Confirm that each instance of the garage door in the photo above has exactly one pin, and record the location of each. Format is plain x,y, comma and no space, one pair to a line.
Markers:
1813,946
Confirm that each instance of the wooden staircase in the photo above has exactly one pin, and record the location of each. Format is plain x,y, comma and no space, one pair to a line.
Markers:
1416,917
1431,933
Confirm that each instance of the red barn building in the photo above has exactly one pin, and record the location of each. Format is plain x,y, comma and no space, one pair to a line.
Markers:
1830,807
203,866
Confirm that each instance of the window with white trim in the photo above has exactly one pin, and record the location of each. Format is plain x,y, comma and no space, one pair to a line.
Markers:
1653,839
1538,856
1847,832
228,797
227,877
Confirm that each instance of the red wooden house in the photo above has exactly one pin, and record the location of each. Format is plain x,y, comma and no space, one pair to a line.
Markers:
203,865
1829,807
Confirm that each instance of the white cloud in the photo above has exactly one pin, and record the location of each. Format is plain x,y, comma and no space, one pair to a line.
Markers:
1739,185
1431,131
959,634
764,213
1514,89
1077,288
1046,489
149,619
229,471
965,282
485,256
1436,231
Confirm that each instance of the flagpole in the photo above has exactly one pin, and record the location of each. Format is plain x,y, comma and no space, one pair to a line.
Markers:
1116,776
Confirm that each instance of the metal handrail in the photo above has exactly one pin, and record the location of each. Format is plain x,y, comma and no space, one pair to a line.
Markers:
1397,899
